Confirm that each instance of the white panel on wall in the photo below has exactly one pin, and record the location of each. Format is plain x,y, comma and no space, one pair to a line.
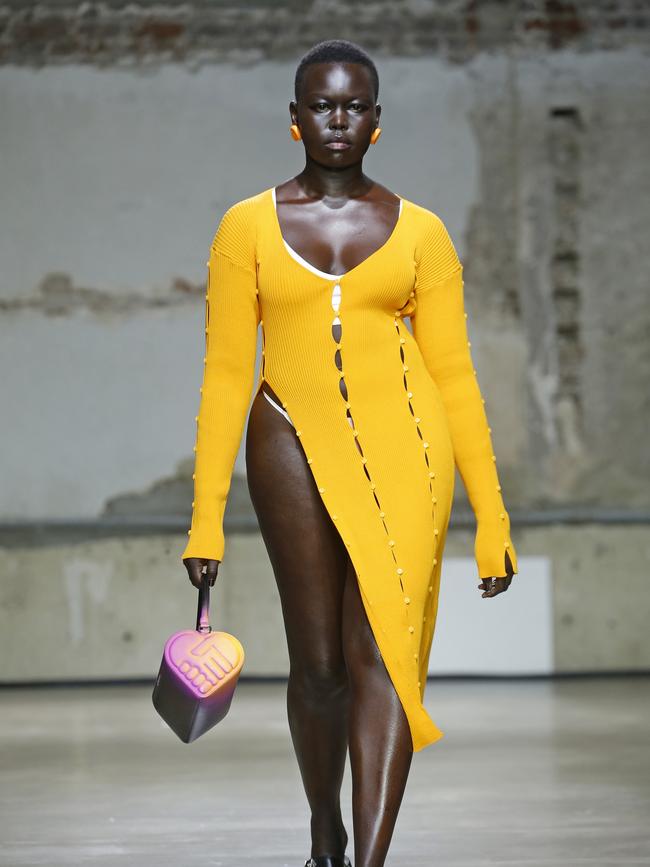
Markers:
512,633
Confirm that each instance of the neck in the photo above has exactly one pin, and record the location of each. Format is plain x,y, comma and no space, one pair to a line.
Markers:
321,182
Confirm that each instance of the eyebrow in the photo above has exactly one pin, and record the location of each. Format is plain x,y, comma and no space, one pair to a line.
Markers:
317,95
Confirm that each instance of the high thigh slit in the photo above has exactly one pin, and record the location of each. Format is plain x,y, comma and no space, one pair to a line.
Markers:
380,417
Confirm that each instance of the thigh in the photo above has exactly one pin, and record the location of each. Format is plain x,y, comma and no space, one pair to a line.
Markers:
307,554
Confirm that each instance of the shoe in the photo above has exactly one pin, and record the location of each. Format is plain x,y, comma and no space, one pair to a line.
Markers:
328,861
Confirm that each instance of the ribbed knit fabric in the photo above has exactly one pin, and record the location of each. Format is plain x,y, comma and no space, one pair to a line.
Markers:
383,459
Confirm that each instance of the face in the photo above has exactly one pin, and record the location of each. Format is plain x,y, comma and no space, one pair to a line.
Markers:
336,112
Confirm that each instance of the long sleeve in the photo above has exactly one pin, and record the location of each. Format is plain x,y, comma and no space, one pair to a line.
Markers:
440,330
231,319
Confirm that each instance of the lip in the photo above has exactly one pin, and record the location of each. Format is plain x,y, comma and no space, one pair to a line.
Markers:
338,145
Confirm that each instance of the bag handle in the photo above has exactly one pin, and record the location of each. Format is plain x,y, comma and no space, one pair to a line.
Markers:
203,612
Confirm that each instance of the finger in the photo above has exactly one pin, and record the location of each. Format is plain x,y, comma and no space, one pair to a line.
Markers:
195,571
490,584
211,571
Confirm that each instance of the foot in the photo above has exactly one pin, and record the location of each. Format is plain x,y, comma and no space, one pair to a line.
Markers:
328,861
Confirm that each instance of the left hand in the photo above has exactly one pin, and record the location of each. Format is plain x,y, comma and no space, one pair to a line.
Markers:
494,586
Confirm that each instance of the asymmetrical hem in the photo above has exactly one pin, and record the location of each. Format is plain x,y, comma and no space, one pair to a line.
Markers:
383,415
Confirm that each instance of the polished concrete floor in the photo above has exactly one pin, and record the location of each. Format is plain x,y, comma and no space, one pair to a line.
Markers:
529,772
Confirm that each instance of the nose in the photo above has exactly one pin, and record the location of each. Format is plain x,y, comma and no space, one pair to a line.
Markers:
338,119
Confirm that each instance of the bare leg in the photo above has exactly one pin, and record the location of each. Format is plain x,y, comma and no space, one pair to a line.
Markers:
381,747
309,561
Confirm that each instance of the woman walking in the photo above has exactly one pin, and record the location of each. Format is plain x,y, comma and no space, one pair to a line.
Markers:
353,436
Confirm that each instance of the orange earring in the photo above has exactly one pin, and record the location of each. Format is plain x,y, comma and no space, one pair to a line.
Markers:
295,132
375,135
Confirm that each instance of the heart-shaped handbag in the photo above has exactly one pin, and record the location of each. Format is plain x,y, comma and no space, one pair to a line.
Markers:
198,675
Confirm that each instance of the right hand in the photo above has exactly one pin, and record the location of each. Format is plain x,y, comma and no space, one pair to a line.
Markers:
194,566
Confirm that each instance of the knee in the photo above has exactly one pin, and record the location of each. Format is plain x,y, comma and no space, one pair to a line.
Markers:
319,680
363,658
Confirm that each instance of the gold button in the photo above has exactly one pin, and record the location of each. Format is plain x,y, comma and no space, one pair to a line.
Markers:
498,487
411,294
474,371
364,460
417,419
196,418
298,433
435,561
407,599
193,475
507,544
201,389
208,263
466,316
434,500
430,588
372,486
425,445
411,628
402,340
494,457
410,393
435,531
391,542
382,514
322,490
335,517
469,342
501,515
194,448
347,405
406,367
355,433
400,571
490,429
189,532
309,460
192,502
415,656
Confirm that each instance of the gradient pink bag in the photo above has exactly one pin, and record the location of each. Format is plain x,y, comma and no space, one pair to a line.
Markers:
198,675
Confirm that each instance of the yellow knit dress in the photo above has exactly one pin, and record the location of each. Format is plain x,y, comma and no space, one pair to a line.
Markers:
383,459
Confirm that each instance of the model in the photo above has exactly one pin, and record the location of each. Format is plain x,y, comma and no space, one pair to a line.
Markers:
353,436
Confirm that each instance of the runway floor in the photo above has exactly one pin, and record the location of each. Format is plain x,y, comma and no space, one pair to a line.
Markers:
533,772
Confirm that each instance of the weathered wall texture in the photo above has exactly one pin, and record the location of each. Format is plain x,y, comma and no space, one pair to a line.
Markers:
127,130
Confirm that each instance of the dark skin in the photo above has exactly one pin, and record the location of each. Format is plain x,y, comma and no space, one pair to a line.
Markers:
339,694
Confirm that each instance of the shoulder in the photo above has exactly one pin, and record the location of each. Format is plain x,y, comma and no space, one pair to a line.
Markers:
433,244
425,220
243,213
236,233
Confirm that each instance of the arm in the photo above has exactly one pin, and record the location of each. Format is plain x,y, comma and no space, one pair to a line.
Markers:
231,320
440,330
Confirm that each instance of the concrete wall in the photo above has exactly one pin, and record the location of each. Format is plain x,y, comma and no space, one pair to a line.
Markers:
127,131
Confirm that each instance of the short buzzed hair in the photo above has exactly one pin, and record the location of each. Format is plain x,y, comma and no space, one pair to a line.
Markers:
332,51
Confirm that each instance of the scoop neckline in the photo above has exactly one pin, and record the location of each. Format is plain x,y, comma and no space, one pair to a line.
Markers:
308,265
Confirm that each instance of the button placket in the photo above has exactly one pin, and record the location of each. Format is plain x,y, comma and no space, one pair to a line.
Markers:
336,300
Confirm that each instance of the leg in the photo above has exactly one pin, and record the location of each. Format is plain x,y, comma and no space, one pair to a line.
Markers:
381,747
309,562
